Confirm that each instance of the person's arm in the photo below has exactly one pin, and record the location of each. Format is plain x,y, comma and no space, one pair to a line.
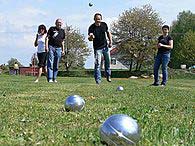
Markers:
90,34
36,41
46,43
63,48
109,35
170,46
47,39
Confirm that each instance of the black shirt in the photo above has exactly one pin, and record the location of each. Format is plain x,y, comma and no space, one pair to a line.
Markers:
99,32
56,36
165,41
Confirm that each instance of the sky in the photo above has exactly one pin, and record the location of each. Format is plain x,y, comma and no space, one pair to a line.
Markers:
19,20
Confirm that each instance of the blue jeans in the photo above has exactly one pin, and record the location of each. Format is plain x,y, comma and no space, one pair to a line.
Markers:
98,57
164,60
54,57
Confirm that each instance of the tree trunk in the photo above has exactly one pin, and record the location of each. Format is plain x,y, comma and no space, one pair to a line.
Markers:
131,65
140,65
137,65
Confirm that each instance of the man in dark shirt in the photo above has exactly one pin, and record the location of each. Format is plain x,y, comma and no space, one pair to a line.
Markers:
165,44
97,33
55,47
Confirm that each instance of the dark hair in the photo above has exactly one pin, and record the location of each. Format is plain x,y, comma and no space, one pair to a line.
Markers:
42,27
96,14
165,26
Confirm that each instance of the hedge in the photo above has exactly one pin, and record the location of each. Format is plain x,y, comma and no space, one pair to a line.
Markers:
90,73
173,73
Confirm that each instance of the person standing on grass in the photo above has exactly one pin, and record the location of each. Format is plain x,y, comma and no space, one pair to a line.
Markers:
55,46
16,68
41,51
97,33
165,44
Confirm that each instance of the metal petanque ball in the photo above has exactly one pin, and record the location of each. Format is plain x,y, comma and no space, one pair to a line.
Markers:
74,103
120,130
120,88
90,4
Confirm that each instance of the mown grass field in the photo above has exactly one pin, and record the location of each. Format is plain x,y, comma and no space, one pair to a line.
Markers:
33,113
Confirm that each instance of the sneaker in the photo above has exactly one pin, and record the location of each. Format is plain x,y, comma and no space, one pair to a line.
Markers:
55,81
108,79
163,84
155,84
50,81
36,81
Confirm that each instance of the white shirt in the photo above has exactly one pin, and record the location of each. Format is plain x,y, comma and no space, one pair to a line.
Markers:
41,43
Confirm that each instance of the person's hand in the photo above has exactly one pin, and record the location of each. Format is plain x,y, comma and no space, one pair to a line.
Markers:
63,53
46,49
160,45
91,37
110,44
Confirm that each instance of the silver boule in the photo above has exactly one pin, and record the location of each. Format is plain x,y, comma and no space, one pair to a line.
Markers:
90,4
74,103
120,130
120,88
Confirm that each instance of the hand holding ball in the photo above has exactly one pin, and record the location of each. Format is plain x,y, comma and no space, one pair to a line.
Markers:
91,37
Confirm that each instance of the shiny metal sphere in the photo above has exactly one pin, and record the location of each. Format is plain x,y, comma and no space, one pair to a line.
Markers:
90,4
120,88
120,130
74,103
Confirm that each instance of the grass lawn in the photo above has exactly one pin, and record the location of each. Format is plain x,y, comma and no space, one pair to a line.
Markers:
33,113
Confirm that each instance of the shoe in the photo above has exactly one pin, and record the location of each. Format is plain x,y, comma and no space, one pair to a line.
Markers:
55,81
108,78
163,84
50,81
98,82
155,84
36,81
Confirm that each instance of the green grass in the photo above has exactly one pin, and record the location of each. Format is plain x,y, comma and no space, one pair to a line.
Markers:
33,113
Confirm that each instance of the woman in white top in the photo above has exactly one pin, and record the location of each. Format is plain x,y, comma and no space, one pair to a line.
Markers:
41,52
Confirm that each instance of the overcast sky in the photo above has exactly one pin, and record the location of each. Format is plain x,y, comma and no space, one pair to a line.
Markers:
19,19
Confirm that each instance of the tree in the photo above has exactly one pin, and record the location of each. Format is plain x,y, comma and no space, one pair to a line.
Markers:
185,23
76,49
187,53
135,35
12,61
4,68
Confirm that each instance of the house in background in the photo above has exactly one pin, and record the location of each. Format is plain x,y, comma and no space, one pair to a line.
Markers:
29,71
115,63
32,70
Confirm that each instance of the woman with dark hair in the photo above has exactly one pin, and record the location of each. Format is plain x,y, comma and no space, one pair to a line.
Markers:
41,52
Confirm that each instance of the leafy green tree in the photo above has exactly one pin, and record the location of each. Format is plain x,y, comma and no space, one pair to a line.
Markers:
185,23
76,50
4,68
135,34
187,51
